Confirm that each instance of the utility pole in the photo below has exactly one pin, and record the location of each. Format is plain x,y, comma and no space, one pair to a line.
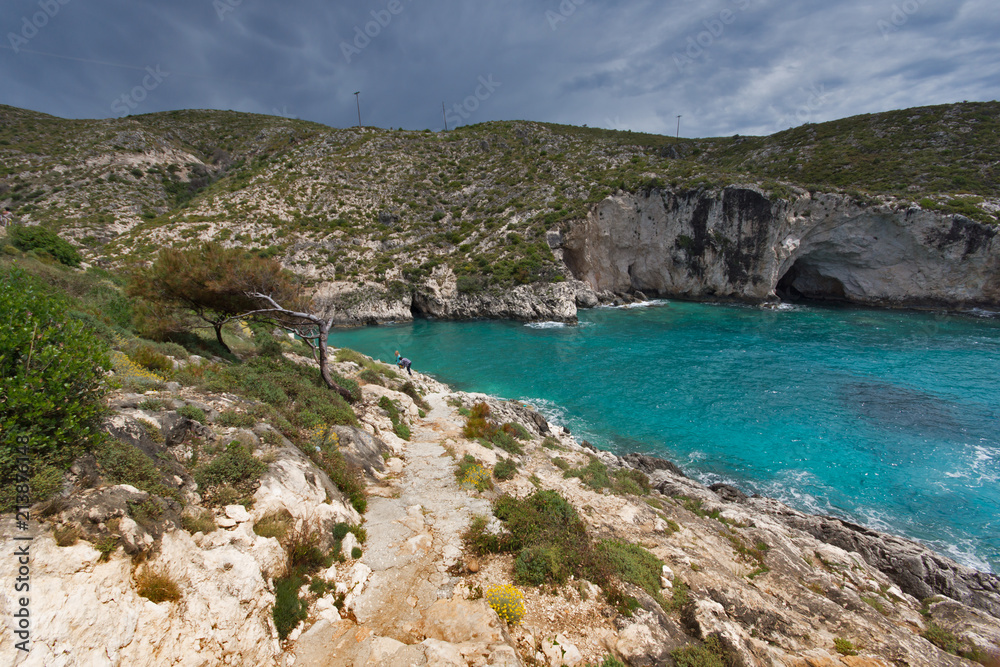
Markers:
678,127
445,114
358,100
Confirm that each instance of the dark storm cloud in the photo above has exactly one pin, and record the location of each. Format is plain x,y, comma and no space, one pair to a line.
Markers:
726,66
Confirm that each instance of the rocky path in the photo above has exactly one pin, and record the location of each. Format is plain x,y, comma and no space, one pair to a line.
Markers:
405,606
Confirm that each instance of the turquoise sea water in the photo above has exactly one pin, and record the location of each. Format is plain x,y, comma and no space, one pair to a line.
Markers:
891,419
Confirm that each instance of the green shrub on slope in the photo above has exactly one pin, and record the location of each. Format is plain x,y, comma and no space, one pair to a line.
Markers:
51,377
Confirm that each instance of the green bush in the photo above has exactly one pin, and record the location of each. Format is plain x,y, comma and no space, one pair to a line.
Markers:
479,540
624,481
202,522
371,377
193,413
635,565
302,547
347,478
292,390
150,359
504,469
51,377
410,390
235,467
537,564
479,426
238,419
517,431
123,463
341,530
844,646
288,610
948,641
398,425
45,240
710,654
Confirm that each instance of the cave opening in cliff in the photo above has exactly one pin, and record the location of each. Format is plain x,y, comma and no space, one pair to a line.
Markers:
805,280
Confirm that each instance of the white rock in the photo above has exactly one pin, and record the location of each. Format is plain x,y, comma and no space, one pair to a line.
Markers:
225,522
237,513
443,653
503,656
383,648
560,651
93,615
359,575
327,610
395,465
348,544
292,483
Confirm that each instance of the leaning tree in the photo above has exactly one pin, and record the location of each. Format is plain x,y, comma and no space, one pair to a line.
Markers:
210,282
219,285
312,327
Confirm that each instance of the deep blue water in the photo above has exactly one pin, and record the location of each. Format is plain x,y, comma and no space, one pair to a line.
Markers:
888,418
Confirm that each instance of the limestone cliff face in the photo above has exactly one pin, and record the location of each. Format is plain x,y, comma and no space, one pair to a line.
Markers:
439,297
738,244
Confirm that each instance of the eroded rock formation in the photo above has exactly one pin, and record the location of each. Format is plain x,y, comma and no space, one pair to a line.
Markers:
738,244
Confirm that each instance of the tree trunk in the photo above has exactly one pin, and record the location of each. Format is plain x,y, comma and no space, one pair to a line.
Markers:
218,335
324,366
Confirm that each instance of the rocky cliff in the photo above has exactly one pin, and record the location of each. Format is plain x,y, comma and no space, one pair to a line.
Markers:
736,243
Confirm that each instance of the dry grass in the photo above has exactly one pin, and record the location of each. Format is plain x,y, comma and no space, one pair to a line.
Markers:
156,585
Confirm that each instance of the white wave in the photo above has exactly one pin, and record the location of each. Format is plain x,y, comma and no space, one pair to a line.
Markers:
546,325
981,312
653,303
965,555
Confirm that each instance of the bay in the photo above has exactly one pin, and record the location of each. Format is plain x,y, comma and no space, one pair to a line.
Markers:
887,418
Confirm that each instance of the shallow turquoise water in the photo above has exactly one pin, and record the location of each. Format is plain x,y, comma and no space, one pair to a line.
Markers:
888,418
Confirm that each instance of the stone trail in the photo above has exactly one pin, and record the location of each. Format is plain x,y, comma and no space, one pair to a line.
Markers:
404,603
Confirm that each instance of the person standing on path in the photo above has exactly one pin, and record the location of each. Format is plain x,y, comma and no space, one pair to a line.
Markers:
6,218
403,362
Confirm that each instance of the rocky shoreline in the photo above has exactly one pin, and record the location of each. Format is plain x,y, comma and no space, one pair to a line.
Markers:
771,585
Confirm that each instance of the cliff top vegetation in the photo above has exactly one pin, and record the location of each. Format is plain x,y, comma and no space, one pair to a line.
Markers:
388,207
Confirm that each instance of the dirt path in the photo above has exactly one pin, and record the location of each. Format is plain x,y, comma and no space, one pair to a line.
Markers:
407,612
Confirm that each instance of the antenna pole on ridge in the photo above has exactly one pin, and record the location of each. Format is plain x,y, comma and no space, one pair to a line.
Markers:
445,114
358,100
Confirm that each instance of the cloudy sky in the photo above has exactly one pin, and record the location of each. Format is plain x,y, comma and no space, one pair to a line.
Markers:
726,66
